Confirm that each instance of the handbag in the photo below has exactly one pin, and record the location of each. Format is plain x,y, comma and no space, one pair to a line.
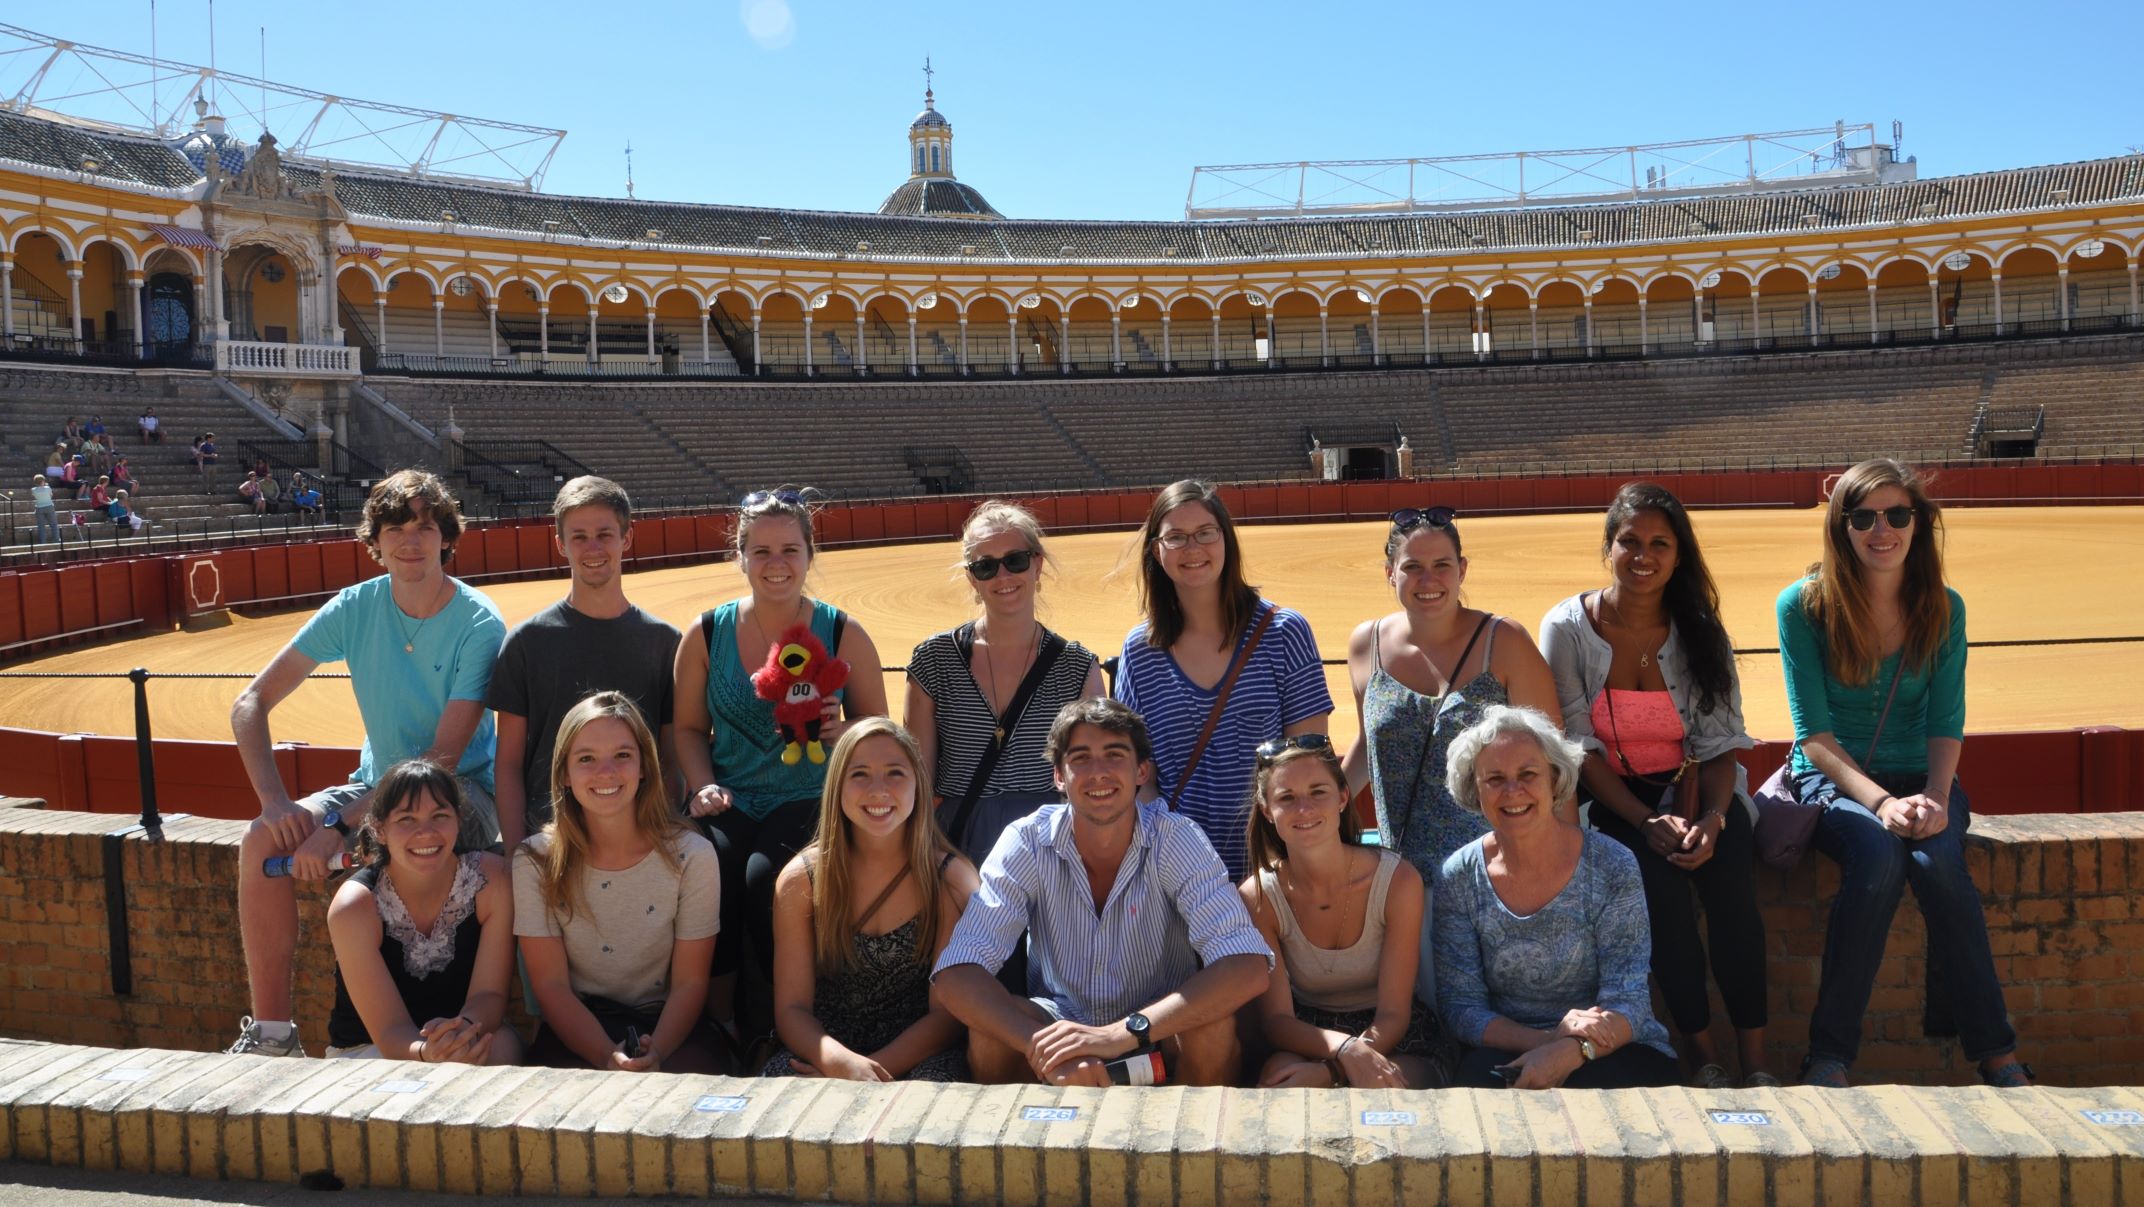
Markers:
1001,737
1785,822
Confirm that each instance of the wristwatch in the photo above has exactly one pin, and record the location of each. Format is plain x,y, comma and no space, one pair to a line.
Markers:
1587,1050
332,820
1137,1024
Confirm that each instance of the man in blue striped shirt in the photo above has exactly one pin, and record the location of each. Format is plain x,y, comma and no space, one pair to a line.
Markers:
1136,935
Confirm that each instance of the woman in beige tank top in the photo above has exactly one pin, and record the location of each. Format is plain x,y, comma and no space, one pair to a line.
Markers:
1345,921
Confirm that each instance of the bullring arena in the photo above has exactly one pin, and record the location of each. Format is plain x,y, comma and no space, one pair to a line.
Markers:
1518,358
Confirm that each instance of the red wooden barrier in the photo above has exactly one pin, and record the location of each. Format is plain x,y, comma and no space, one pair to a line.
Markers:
236,569
710,533
10,608
114,592
305,569
681,536
78,597
317,767
40,604
650,540
271,572
338,564
532,546
865,523
897,521
152,600
469,560
31,758
833,526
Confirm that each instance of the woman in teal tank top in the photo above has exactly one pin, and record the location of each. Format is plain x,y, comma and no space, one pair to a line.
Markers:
758,810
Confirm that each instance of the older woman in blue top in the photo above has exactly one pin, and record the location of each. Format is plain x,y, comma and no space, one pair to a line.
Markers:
1874,646
1202,617
1541,935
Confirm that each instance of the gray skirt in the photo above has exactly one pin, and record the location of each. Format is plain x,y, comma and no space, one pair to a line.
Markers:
989,818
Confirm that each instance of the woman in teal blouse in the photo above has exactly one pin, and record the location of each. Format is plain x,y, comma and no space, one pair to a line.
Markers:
1874,646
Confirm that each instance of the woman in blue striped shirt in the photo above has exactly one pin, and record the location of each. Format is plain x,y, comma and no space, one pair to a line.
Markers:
1202,617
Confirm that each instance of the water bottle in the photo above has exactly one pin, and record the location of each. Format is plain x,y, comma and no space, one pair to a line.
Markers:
280,865
1139,1068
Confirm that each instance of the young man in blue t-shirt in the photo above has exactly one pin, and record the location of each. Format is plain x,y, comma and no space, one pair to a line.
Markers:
420,646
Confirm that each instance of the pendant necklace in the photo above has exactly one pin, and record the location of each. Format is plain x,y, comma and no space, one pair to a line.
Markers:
1645,657
990,672
409,637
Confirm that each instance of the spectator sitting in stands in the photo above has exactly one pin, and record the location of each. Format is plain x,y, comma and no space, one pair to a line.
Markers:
100,493
99,456
250,490
123,476
434,993
121,516
152,430
260,468
77,475
304,497
94,430
205,457
71,434
56,462
271,492
1167,956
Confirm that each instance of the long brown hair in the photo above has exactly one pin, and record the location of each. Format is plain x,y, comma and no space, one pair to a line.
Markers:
1157,595
1837,597
833,885
1268,849
1691,599
559,867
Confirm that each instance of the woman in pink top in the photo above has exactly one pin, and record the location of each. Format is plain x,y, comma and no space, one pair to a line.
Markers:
1645,676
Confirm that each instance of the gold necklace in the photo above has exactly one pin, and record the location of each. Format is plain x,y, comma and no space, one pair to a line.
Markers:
1645,656
409,639
990,672
802,604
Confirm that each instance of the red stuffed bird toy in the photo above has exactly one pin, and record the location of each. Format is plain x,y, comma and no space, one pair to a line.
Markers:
799,677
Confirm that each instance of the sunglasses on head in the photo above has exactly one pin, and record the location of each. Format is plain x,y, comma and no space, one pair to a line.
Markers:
1273,748
761,498
1864,518
1435,517
986,568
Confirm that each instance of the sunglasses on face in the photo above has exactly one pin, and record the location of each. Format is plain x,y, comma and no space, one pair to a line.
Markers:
1178,540
1411,517
1273,748
1864,518
760,498
986,568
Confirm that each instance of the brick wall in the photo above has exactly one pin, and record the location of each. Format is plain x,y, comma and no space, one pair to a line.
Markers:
2068,940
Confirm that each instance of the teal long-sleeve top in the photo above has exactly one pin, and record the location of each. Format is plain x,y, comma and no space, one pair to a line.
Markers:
1930,702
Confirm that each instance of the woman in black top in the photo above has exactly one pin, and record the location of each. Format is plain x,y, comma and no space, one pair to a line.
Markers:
966,706
423,934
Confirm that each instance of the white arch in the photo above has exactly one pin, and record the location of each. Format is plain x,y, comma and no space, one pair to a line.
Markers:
61,237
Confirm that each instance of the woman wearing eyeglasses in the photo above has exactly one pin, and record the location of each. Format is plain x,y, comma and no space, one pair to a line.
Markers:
761,809
1214,669
1646,677
1874,647
981,696
1421,676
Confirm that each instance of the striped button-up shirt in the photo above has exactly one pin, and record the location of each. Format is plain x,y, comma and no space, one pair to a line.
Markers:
1171,912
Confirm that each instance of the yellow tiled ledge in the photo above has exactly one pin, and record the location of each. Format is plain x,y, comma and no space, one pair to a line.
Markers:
547,1131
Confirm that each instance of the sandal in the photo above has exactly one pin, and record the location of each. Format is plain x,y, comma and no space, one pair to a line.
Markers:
1712,1077
1761,1080
1825,1073
2011,1075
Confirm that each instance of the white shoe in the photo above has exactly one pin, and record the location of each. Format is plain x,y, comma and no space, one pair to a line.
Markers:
1712,1077
253,1041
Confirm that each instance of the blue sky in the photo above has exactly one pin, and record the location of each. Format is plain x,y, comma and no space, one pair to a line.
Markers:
1100,109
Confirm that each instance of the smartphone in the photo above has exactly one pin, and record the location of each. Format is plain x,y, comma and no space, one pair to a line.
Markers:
632,1040
1508,1074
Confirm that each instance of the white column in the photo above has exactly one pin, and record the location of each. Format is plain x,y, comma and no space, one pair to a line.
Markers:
1325,339
1997,280
1481,328
219,318
1644,335
862,358
1756,313
1872,312
1167,352
141,329
491,324
1590,341
1217,325
439,326
7,297
2062,294
706,351
379,310
201,321
543,331
1012,342
1533,324
1272,338
651,336
1429,350
1116,339
911,344
1811,323
759,362
74,303
1935,308
809,363
595,352
964,341
2133,311
1377,338
1064,342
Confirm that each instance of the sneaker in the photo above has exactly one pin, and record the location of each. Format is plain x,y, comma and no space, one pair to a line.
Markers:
254,1041
1760,1081
1712,1077
1825,1073
2013,1075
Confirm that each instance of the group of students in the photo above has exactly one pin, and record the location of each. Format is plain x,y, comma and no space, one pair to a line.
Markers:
1035,879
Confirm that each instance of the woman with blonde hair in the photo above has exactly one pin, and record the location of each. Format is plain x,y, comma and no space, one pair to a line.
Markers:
1874,647
861,915
614,901
981,696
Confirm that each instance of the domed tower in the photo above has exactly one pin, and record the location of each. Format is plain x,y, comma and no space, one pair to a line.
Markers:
931,190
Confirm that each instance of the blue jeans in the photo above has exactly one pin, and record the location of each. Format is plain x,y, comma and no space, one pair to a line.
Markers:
1875,865
48,524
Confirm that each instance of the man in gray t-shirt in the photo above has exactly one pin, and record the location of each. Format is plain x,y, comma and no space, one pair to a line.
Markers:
592,640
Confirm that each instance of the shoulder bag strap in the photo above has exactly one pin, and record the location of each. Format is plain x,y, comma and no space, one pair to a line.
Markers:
1898,673
1045,658
885,894
1213,717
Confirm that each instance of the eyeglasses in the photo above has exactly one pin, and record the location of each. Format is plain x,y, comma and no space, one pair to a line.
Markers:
1864,518
1178,540
761,498
1435,517
1273,748
986,568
